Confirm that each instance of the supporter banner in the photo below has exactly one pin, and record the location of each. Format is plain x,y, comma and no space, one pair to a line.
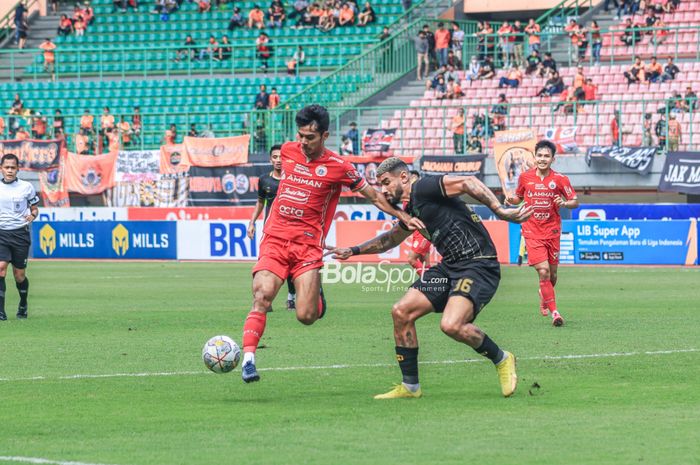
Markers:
173,159
463,165
105,239
639,159
225,186
563,138
649,211
635,242
217,240
163,190
135,166
217,152
82,214
34,155
681,173
53,191
89,174
514,152
377,141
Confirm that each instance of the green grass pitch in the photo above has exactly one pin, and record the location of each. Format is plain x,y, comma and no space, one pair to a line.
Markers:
619,384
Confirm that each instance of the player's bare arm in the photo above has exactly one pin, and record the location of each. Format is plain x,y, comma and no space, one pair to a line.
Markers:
562,202
33,213
369,193
382,243
513,200
470,185
256,214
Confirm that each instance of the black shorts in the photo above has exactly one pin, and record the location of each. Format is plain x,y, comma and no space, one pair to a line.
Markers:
476,280
14,247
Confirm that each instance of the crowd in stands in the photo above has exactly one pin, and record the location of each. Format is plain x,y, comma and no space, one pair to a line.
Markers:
83,16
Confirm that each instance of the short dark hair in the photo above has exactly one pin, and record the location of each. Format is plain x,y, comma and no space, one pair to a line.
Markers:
315,115
546,144
392,165
275,147
9,156
414,173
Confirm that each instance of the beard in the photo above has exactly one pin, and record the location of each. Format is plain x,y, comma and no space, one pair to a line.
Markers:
395,198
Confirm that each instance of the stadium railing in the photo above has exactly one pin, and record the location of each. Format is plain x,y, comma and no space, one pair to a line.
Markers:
556,17
160,61
7,22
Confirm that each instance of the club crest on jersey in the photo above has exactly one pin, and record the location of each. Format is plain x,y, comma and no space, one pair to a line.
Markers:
552,185
321,170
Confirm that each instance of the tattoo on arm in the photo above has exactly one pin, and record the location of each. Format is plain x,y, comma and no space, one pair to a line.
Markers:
481,192
384,242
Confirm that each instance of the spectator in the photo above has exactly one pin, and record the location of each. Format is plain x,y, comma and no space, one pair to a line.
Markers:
79,26
573,29
2,127
422,47
193,131
262,99
450,73
367,16
345,146
653,71
457,127
499,112
106,124
327,19
58,125
21,133
49,55
170,136
433,81
579,81
87,122
298,8
212,50
276,14
616,129
582,36
623,8
690,100
264,50
124,131
136,124
661,131
513,79
650,21
457,41
113,142
453,61
670,71
442,44
354,136
504,35
236,20
647,139
533,35
518,41
65,26
440,87
38,127
296,61
119,5
636,72
347,16
454,90
549,65
82,144
22,30
406,5
589,90
674,133
207,133
431,46
273,99
481,40
660,33
19,18
553,86
487,69
225,49
597,40
256,18
472,73
474,145
89,13
385,34
534,62
631,34
567,101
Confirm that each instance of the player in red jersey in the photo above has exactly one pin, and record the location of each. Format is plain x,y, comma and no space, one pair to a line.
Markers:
546,191
295,231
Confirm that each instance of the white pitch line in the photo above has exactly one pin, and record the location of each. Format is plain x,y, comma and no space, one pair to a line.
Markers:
37,460
346,366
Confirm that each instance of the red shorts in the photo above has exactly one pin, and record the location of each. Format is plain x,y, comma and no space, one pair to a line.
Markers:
542,250
419,244
287,258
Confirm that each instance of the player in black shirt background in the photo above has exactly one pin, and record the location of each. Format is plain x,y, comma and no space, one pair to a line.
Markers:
461,284
267,191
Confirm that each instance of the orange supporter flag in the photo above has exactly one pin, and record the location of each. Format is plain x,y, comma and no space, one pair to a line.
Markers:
90,174
173,159
53,190
514,151
217,152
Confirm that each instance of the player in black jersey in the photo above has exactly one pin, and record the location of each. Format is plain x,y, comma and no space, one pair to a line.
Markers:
267,191
459,286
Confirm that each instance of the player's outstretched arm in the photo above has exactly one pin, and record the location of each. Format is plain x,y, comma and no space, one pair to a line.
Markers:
382,243
470,185
258,209
371,194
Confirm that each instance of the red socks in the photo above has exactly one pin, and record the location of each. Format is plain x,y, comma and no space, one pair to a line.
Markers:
547,294
253,330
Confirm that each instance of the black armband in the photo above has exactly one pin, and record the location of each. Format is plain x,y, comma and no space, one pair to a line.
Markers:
355,250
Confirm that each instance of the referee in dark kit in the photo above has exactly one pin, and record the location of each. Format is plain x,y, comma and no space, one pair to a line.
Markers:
18,208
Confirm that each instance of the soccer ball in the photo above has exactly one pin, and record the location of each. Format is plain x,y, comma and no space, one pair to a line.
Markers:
221,354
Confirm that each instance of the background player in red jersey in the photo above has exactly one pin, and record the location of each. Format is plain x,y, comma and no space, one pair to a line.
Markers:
546,191
295,231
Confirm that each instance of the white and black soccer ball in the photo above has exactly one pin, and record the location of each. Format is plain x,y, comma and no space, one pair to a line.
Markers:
221,354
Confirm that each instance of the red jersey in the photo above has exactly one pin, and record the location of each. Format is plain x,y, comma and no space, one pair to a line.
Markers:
308,194
545,222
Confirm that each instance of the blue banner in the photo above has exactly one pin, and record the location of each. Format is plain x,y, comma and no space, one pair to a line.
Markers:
634,242
105,239
661,211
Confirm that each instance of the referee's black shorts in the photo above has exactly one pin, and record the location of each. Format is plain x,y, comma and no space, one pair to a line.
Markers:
14,246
